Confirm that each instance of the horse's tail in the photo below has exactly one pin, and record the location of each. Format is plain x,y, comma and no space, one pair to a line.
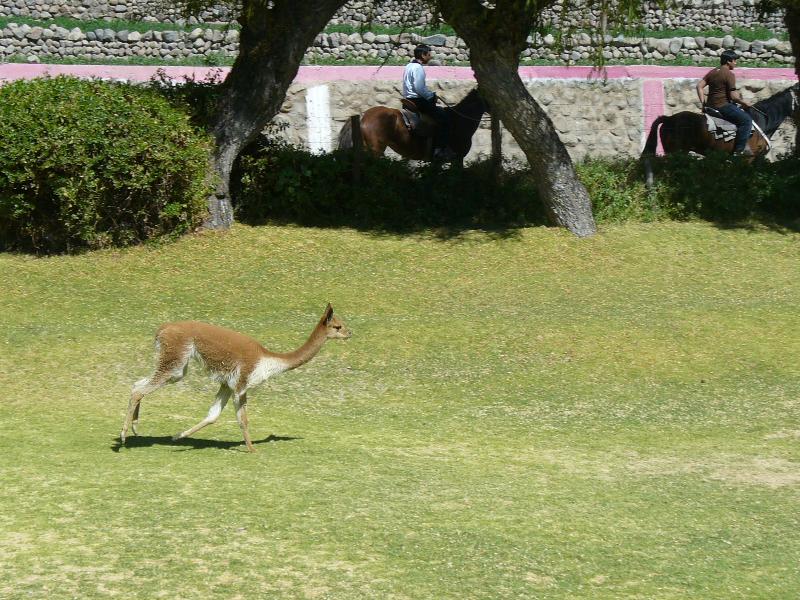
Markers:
650,150
652,139
346,135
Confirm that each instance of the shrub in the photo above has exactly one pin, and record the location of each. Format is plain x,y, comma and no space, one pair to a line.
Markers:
197,97
280,183
715,188
91,164
617,190
719,188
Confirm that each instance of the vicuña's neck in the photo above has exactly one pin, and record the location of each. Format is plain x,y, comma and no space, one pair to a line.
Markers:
307,351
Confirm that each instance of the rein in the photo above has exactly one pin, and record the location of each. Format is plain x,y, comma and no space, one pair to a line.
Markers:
774,113
461,114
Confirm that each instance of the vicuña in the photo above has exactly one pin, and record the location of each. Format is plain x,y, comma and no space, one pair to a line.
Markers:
236,361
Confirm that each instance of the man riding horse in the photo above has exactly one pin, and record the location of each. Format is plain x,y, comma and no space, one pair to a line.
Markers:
415,90
723,99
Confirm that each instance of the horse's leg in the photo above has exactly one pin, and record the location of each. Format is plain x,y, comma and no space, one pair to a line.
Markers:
376,145
372,131
373,141
757,144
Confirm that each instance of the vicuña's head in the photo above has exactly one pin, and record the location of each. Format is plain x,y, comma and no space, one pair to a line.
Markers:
335,329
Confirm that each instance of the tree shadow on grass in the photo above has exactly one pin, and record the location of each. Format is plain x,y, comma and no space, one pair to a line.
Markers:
144,441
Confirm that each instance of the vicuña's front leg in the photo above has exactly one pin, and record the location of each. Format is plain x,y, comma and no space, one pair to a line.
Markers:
219,403
240,402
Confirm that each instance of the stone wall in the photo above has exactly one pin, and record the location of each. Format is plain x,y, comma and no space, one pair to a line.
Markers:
212,44
38,44
593,118
129,10
698,15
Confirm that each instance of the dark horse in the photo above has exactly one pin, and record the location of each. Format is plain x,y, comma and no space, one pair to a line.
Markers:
686,131
382,126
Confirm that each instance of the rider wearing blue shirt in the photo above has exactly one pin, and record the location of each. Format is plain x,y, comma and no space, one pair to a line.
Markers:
416,90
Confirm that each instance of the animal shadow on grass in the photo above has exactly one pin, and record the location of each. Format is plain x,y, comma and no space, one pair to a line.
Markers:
139,441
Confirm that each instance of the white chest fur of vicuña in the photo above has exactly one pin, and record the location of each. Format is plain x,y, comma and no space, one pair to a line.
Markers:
264,369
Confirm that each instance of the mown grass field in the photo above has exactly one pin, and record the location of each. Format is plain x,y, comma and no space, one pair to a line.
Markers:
520,416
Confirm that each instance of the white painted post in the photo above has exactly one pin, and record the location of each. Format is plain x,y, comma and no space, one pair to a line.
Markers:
318,119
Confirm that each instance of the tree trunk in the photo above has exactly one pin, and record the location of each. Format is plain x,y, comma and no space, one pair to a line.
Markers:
564,196
792,20
273,40
496,37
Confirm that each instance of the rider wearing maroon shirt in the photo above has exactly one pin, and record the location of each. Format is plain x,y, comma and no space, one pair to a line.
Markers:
725,97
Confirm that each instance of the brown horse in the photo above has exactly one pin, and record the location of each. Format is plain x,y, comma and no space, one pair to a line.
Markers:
382,126
687,132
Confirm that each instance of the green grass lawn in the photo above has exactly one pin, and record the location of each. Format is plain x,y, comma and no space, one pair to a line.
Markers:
521,416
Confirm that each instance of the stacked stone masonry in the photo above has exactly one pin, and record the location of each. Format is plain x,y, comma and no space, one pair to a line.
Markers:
698,15
593,118
195,40
38,44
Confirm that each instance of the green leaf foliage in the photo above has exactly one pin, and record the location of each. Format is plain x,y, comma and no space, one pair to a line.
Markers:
93,164
281,183
278,183
724,189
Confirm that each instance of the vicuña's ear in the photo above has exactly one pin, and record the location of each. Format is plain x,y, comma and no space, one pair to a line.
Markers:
328,313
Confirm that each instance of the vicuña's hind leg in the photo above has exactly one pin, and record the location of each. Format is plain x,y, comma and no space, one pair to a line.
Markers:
221,400
240,402
141,388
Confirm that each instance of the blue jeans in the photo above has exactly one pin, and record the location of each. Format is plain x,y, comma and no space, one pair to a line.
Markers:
744,124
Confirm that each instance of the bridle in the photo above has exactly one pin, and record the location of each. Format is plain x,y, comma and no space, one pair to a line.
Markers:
794,94
461,114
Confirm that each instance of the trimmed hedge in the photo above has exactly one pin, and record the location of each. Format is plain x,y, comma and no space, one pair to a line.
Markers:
279,183
282,184
93,164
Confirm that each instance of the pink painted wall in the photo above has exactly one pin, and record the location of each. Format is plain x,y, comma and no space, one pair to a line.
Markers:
651,76
310,74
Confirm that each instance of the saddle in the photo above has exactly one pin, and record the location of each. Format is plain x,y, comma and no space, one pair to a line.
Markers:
718,126
417,123
725,130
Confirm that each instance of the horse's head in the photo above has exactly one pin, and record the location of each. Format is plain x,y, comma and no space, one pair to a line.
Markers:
476,97
471,107
773,110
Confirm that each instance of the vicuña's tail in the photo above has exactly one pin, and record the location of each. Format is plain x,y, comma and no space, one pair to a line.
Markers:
652,139
346,135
